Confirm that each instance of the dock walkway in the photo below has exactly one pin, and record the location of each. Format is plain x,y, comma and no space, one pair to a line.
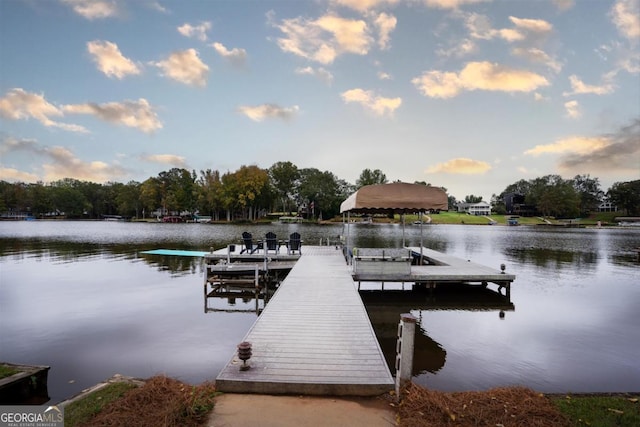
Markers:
314,337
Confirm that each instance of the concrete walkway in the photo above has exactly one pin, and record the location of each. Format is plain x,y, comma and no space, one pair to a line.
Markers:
253,410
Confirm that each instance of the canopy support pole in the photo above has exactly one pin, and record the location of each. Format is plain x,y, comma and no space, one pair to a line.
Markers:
420,221
403,244
348,238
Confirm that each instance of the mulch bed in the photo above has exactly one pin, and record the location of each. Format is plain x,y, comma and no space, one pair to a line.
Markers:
502,407
161,401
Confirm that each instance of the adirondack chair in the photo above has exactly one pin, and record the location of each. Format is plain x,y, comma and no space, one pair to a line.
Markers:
294,243
247,239
271,243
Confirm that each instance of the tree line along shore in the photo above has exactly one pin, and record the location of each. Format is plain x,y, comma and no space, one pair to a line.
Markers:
252,193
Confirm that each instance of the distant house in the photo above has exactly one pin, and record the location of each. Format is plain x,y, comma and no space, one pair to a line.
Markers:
607,207
480,208
514,204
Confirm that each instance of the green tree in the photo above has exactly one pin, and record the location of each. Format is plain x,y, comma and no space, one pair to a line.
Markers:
559,199
150,195
209,187
242,190
589,192
68,199
321,192
284,177
626,195
177,190
472,199
128,199
39,199
369,177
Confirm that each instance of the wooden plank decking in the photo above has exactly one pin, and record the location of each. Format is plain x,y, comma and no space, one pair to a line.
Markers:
314,337
443,268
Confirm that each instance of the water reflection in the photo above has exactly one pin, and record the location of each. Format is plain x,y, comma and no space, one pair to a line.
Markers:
384,308
81,298
553,258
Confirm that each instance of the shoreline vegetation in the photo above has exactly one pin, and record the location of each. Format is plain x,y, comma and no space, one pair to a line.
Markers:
165,401
600,219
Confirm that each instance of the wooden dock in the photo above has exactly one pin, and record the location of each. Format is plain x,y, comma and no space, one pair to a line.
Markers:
314,336
439,268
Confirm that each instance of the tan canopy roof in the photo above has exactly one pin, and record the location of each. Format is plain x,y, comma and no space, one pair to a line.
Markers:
397,196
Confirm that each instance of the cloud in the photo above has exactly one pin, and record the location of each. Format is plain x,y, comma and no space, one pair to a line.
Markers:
460,165
450,4
384,76
563,5
258,113
618,155
532,25
21,105
573,109
379,105
235,56
167,159
158,7
324,39
538,56
579,87
480,27
10,144
574,144
539,97
385,24
365,5
462,48
135,114
59,163
319,73
110,61
14,175
185,67
477,76
66,165
94,9
612,154
625,15
197,31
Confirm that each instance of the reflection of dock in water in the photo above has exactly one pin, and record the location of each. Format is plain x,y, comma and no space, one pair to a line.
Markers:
454,296
385,307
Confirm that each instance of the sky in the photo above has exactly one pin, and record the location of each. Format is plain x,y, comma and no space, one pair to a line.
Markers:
470,95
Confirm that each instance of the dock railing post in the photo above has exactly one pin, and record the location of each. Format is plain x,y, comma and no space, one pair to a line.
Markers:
404,350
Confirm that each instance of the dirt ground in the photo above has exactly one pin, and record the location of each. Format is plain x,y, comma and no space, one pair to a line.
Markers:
251,410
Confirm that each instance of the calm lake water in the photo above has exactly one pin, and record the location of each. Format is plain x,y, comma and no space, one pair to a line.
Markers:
81,298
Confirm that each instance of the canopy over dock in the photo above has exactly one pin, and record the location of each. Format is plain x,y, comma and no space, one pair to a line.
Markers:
399,197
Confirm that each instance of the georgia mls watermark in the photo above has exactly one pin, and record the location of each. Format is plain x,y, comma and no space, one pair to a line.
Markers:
31,416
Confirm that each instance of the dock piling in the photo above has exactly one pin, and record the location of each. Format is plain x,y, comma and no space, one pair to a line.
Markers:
404,350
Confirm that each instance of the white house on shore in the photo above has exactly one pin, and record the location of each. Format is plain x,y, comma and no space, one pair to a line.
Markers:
480,208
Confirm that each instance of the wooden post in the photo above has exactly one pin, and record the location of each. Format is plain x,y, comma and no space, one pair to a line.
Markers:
404,350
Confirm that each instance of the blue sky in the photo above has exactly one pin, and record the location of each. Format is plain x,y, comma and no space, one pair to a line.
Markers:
471,95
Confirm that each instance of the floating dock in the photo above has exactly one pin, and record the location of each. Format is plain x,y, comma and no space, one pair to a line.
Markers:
437,268
314,337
